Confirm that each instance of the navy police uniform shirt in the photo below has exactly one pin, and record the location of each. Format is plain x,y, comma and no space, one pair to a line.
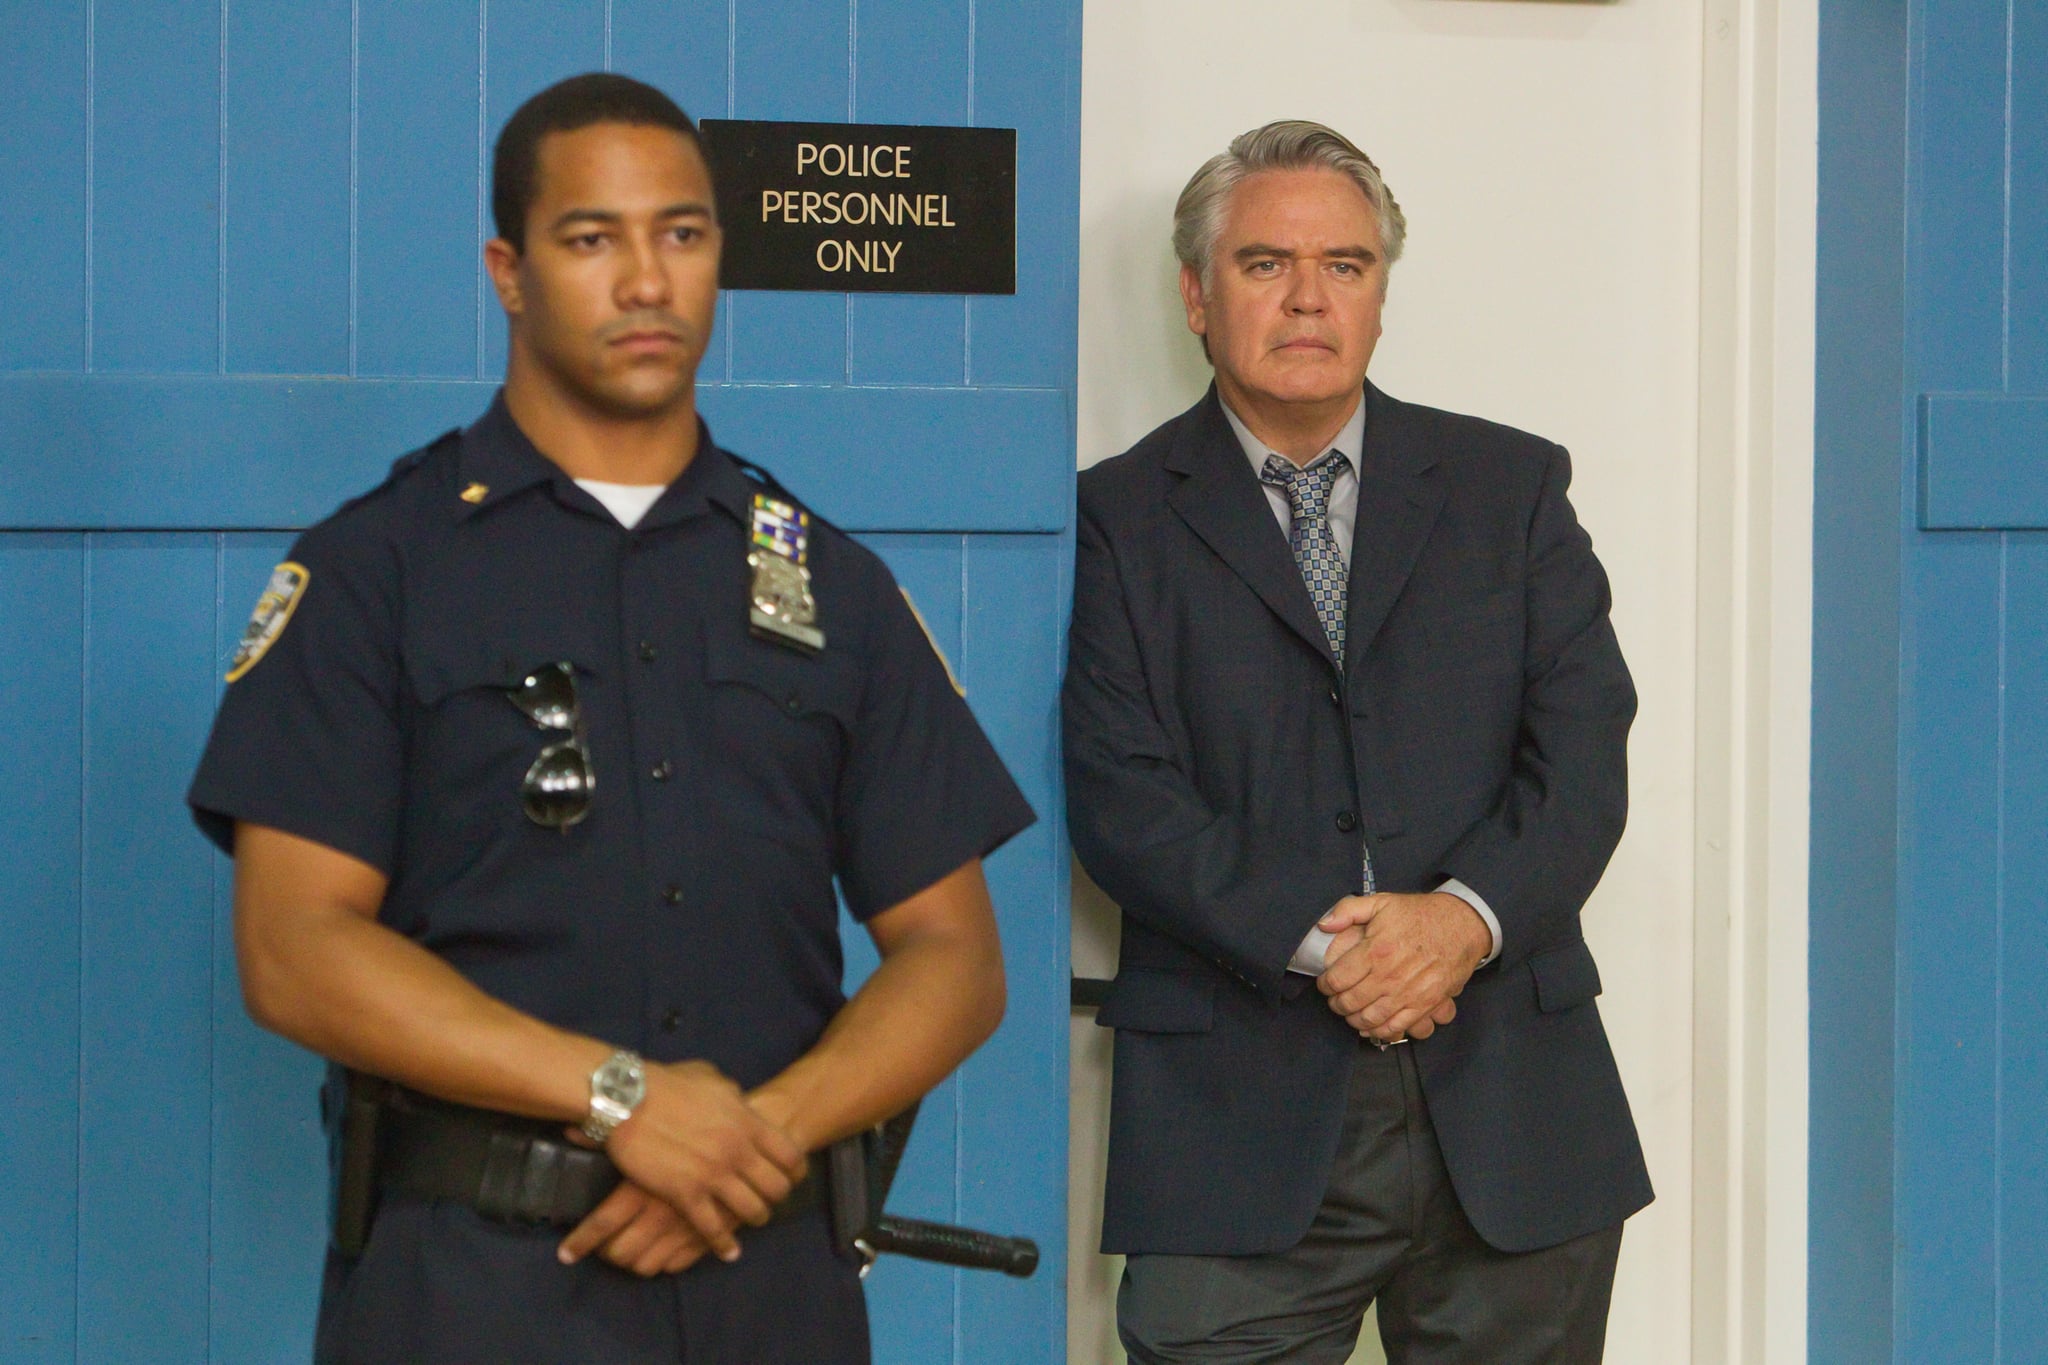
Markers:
691,914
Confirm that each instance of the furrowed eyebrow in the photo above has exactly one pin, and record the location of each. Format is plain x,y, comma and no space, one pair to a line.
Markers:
1253,251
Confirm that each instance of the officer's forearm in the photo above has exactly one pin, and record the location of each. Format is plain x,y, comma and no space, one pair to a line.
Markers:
317,968
937,996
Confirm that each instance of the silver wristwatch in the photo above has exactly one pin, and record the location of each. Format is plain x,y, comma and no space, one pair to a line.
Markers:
616,1089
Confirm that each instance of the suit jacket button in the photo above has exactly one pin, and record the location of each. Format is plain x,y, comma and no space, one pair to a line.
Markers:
1346,821
1336,698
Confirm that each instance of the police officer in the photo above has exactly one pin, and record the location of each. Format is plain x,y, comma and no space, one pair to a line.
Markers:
538,764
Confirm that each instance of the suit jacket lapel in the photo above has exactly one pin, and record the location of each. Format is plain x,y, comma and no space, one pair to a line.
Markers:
1221,502
1400,493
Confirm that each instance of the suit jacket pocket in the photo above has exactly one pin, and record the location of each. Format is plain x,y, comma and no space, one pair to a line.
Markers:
1159,1002
1565,976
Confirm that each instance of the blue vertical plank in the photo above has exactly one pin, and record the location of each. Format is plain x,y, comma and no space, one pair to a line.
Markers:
1013,1139
419,206
2023,989
1027,76
1957,304
1948,950
156,185
269,1209
529,45
286,270
791,61
2025,221
1859,516
41,617
147,949
686,49
910,67
682,46
911,1302
42,166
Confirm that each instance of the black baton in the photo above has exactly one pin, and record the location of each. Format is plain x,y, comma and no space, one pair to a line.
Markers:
859,1172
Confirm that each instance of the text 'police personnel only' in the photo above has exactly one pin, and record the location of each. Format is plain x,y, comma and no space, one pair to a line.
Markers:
866,207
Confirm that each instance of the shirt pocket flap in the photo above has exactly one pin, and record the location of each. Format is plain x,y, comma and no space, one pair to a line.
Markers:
1565,976
440,671
795,684
1159,1002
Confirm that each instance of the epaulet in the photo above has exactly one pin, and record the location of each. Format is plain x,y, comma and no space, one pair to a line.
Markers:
413,459
776,486
404,465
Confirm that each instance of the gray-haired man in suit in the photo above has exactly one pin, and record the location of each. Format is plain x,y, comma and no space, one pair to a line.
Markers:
1346,738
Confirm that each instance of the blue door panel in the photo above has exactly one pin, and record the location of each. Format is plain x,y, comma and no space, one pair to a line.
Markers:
1930,1198
792,60
284,273
2022,1172
155,264
1013,1120
2026,221
42,215
910,66
419,201
1948,940
679,45
146,985
1956,306
1027,61
42,591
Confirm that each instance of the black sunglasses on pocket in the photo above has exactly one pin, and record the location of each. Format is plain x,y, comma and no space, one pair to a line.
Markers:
557,788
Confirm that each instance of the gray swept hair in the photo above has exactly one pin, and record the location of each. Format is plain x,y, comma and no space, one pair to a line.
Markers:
1287,145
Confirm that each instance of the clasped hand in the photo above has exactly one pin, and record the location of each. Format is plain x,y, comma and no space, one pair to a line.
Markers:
698,1161
1398,962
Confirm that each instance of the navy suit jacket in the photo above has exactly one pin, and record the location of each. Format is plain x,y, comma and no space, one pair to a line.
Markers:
1221,770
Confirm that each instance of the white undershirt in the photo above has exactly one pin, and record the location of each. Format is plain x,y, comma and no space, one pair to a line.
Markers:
627,502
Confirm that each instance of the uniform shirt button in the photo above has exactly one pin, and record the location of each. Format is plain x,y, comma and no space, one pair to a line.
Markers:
793,703
1346,821
662,771
672,893
646,652
671,1021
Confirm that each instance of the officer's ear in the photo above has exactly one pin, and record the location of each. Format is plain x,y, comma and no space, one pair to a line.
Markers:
501,259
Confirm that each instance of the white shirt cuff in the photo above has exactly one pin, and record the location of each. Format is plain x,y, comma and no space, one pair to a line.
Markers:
1478,903
1309,957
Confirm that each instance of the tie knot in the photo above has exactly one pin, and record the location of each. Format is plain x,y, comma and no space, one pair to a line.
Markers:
1308,490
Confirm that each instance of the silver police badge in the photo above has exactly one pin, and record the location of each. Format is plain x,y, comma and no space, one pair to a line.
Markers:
783,609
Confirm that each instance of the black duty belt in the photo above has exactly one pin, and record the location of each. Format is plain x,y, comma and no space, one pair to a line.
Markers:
512,1169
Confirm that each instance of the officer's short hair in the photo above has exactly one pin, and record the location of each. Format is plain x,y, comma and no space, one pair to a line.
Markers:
578,102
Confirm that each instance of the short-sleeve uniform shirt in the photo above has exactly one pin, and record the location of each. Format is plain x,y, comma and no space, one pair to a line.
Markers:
691,914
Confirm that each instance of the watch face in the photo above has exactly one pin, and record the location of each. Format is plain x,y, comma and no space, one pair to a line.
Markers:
621,1079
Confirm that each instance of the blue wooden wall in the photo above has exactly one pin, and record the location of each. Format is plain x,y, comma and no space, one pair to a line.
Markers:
238,274
1930,857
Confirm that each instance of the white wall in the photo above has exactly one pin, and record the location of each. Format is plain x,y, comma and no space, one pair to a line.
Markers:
1549,159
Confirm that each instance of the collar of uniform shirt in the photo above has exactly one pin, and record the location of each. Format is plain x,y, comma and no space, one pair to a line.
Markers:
1350,443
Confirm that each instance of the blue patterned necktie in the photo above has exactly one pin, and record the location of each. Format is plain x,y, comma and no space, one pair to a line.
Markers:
1322,563
1315,545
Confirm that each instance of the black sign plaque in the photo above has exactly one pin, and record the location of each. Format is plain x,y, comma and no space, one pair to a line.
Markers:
865,207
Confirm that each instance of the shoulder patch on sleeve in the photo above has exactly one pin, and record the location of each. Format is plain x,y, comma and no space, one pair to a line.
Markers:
932,640
273,612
